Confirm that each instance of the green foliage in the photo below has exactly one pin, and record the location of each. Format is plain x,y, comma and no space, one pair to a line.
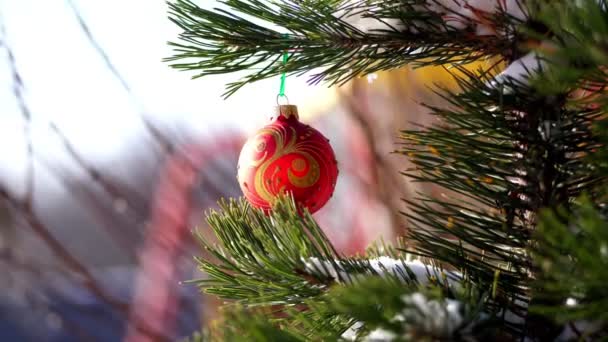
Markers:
410,313
255,327
599,159
504,152
261,256
573,254
264,263
576,37
245,325
501,153
266,259
414,313
252,35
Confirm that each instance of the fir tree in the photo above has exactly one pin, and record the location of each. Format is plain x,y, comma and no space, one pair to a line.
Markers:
519,248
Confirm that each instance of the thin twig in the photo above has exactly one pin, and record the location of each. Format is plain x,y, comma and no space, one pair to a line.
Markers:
18,91
89,281
165,144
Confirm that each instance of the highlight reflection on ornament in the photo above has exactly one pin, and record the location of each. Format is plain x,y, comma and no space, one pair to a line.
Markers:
287,157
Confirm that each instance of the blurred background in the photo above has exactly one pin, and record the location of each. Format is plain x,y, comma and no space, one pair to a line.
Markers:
109,160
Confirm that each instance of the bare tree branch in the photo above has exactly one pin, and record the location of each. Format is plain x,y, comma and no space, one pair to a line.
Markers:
18,91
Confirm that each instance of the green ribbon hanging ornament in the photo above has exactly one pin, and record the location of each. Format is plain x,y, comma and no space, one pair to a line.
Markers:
287,156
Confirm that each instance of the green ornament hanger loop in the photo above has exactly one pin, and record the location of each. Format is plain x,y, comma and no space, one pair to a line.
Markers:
283,77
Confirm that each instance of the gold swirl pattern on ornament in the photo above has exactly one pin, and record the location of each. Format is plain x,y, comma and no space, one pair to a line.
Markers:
278,135
310,177
314,153
298,164
265,188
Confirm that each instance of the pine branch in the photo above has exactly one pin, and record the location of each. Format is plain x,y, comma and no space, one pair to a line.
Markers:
383,266
410,313
367,310
283,258
506,148
501,152
576,45
281,266
573,254
324,35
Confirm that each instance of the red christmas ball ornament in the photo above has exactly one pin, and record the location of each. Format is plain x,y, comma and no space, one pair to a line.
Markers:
287,156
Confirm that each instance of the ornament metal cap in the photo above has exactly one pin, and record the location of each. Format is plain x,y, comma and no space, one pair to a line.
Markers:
287,111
